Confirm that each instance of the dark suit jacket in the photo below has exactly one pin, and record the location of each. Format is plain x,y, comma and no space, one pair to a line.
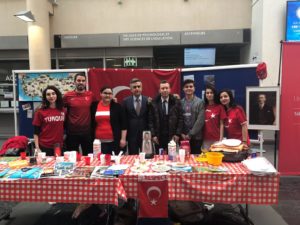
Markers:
264,116
136,124
175,117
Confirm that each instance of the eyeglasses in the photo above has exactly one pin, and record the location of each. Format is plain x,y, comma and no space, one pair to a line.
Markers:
107,93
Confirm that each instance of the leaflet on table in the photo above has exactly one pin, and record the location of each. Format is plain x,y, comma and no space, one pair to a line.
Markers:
64,168
98,171
81,172
27,173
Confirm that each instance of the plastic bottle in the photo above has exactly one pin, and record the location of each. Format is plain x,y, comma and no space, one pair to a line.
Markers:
172,150
96,148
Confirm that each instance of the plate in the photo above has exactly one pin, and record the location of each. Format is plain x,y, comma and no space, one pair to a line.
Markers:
161,168
231,142
179,165
139,169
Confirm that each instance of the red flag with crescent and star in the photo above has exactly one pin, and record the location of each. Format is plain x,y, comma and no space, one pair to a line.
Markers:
119,79
153,196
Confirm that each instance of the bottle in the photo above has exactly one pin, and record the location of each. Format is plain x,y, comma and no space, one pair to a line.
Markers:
172,150
96,148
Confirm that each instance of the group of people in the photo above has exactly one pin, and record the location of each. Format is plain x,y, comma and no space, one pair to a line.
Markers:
116,125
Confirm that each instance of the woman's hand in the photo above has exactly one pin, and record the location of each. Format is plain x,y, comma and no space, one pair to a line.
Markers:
122,143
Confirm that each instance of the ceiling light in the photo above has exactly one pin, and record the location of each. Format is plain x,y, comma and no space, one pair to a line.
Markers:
25,15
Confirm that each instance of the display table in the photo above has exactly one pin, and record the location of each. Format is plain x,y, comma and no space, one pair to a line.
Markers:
236,185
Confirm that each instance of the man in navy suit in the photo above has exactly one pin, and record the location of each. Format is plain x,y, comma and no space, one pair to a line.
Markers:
137,109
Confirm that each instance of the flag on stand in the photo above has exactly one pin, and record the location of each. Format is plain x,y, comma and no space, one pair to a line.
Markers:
153,196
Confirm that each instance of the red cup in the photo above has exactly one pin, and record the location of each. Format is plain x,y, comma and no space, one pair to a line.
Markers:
78,157
23,155
87,160
57,151
99,156
107,159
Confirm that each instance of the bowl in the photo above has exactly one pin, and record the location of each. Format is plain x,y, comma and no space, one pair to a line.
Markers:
214,158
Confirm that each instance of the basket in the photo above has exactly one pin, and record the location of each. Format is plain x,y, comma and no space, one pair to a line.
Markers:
214,158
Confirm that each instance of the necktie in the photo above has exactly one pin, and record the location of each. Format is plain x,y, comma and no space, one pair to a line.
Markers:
165,107
138,106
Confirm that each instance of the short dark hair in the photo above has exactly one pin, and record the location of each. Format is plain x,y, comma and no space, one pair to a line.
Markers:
104,88
188,81
164,82
79,74
134,80
59,101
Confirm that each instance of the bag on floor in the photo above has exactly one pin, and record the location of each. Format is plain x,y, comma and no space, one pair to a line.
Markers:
226,214
187,212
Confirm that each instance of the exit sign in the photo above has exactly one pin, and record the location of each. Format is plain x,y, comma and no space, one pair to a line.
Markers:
130,62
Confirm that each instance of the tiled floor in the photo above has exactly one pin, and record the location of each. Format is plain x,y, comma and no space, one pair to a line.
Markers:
286,212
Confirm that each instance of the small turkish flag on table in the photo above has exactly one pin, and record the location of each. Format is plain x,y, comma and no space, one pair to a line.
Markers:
153,196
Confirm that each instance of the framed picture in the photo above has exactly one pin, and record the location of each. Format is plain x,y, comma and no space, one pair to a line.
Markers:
262,108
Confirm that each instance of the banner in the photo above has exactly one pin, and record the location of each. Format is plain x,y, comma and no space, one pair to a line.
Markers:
153,197
119,80
289,157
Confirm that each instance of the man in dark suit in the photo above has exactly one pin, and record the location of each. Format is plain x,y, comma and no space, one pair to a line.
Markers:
166,117
137,109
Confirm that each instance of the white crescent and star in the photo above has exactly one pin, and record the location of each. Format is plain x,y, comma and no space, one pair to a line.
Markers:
118,89
152,200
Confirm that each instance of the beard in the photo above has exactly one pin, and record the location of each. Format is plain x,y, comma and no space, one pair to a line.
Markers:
80,87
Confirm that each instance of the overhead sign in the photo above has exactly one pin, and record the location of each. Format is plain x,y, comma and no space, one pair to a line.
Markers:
130,62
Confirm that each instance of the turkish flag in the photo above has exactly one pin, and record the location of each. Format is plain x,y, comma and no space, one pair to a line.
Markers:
119,79
153,197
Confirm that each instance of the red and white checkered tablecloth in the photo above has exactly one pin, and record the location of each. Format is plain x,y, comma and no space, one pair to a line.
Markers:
66,190
235,186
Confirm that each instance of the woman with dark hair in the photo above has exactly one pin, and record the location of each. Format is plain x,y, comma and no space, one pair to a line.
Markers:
49,121
214,118
236,121
109,122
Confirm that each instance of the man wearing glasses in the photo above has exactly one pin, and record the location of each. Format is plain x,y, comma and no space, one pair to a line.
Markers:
136,108
78,125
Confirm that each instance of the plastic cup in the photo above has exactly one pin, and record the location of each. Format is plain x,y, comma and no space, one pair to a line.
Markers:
66,156
59,159
182,155
91,155
102,159
57,151
78,157
107,159
117,160
142,157
23,155
87,160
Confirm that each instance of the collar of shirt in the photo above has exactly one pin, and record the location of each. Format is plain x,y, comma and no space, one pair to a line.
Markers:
165,99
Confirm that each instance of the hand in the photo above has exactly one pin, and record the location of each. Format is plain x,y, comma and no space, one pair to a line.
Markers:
122,143
176,96
183,136
115,100
36,151
187,137
155,140
245,146
175,138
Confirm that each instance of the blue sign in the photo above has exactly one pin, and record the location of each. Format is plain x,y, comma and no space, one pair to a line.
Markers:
293,21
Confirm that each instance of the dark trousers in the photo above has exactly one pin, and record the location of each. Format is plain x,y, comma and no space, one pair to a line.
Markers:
108,147
49,151
196,146
83,140
134,145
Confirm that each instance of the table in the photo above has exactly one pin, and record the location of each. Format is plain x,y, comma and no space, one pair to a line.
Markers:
235,186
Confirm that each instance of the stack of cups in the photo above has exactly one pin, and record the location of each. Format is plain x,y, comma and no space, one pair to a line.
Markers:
182,155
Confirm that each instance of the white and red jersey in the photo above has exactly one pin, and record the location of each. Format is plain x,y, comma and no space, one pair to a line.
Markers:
103,129
79,111
213,115
236,117
51,123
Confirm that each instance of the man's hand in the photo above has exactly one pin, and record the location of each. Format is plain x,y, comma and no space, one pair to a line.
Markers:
155,140
176,138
